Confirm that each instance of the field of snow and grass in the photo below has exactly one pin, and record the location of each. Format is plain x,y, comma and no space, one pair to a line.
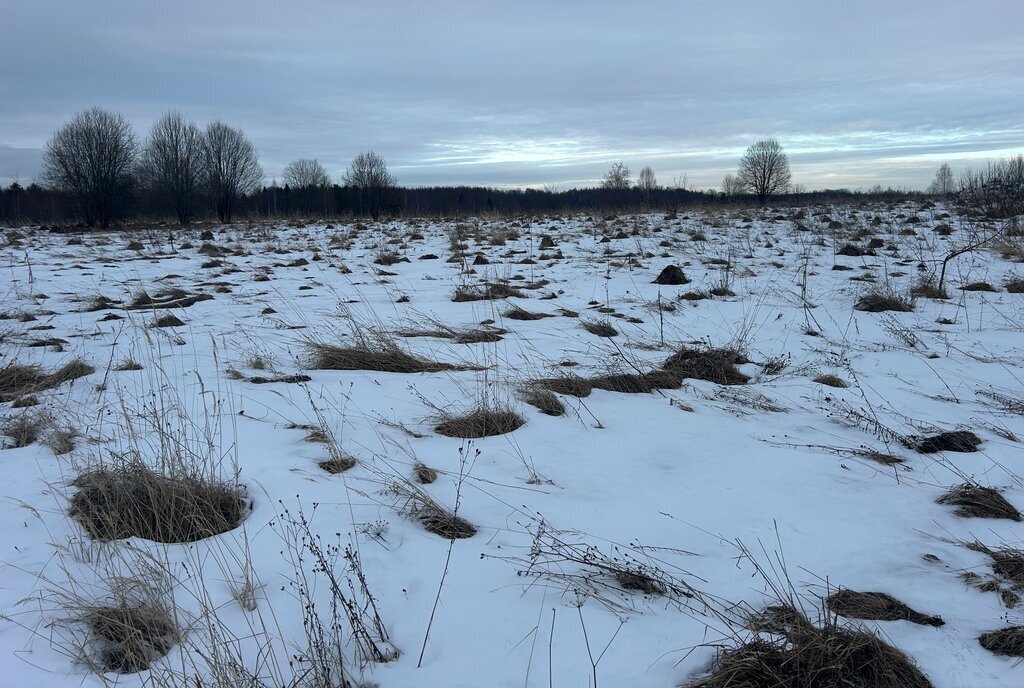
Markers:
496,453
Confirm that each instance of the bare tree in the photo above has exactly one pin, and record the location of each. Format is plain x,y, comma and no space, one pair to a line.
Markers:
997,191
617,177
368,174
172,162
230,167
91,159
305,174
943,184
681,181
764,169
646,183
731,186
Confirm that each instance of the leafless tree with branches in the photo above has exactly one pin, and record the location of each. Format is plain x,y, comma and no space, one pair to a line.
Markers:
305,174
617,177
369,175
91,159
230,167
764,169
172,163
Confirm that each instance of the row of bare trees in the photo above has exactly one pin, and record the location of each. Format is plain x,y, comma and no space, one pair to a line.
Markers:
97,160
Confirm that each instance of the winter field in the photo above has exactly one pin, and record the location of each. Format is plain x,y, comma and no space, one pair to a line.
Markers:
495,452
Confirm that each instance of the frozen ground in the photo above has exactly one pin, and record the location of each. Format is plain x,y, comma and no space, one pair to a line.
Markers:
679,481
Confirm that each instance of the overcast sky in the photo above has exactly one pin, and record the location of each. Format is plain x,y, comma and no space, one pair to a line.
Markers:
530,93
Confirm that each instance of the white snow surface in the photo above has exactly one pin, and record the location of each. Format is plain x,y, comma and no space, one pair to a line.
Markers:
678,478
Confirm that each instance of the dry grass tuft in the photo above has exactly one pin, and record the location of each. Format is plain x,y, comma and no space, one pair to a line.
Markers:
1006,641
379,356
337,464
545,400
166,298
599,329
21,380
799,654
713,365
876,606
980,502
489,292
169,320
133,500
128,638
831,381
425,475
482,422
954,441
878,302
569,385
23,429
928,289
517,313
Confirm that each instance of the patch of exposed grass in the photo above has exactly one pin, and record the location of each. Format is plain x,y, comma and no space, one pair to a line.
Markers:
954,441
18,380
488,292
712,365
797,653
385,357
546,401
481,422
879,302
876,606
599,329
1006,641
973,500
129,635
133,500
831,381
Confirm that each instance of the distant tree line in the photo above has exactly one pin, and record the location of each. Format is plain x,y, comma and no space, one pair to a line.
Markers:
96,172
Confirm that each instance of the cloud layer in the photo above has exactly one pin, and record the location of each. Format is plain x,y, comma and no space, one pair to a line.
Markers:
531,93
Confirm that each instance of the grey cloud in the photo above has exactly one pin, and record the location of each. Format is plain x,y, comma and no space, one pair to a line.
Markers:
539,92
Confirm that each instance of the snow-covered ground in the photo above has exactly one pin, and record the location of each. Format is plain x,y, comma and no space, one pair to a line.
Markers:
681,480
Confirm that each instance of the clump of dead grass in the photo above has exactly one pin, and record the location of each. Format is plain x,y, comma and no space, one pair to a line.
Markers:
415,503
883,301
18,380
488,292
789,650
130,499
876,606
381,355
831,381
973,500
1006,641
712,365
546,401
483,421
599,329
954,441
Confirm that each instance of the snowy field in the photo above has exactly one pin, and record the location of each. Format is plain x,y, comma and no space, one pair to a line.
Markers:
617,531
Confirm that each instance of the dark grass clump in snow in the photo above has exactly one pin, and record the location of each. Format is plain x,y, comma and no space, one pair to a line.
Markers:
546,401
127,639
831,381
133,500
599,329
481,422
337,464
488,292
980,502
799,654
876,606
517,313
23,429
879,302
18,380
1008,642
928,289
954,441
569,385
425,475
385,358
712,365
671,275
168,320
166,298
